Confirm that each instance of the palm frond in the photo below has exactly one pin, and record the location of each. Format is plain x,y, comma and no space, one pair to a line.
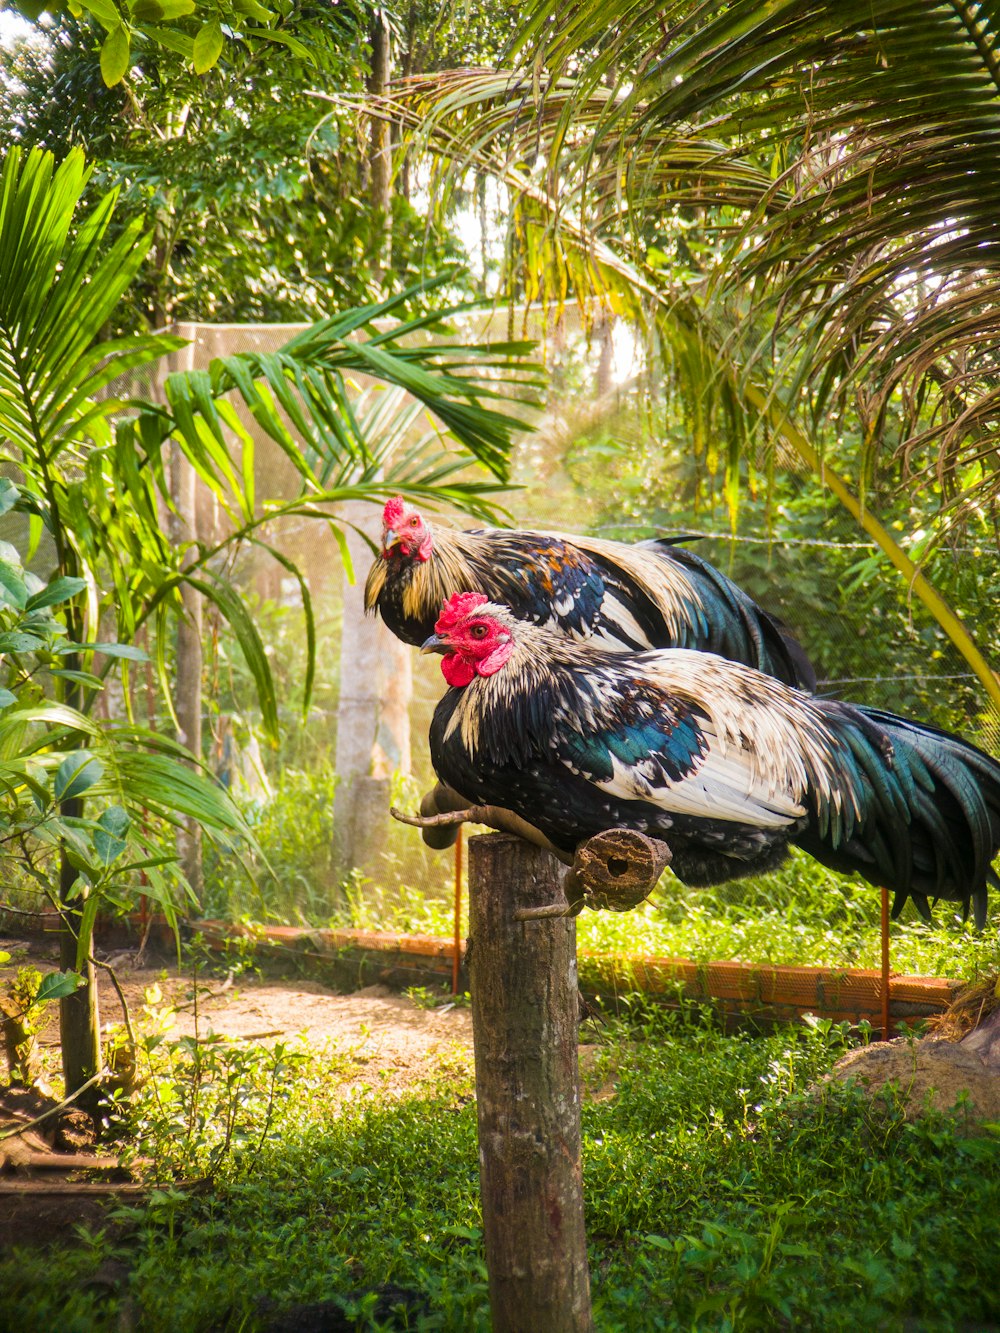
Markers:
874,246
718,355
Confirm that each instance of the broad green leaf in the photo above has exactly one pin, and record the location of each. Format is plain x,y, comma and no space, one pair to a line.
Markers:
59,590
7,698
115,56
17,642
110,835
76,774
179,42
175,9
207,47
9,495
57,985
105,11
13,590
91,871
108,847
253,10
115,820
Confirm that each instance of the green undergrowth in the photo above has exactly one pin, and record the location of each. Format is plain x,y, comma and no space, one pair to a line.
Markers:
720,1194
802,915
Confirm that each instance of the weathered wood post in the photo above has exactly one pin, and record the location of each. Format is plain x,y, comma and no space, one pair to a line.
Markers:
525,1015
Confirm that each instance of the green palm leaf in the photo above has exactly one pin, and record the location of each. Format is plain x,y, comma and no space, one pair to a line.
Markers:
869,237
476,118
300,396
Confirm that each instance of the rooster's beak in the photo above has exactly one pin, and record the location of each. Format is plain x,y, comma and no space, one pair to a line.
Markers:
390,539
435,644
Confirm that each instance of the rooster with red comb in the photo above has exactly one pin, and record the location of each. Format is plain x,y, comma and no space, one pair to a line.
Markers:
624,597
725,764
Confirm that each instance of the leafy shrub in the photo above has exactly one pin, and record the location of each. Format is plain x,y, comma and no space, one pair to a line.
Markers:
295,872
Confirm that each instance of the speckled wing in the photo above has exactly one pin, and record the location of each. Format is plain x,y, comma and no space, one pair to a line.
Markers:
651,745
546,579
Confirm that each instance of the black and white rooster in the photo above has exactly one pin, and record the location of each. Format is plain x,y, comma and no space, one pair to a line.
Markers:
724,763
626,597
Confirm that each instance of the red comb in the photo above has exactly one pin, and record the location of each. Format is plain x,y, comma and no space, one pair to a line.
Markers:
456,608
393,511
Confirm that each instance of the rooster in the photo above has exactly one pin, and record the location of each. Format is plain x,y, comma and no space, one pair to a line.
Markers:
725,764
627,597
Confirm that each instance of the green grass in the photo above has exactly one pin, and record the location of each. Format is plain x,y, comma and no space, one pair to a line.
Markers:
803,914
720,1195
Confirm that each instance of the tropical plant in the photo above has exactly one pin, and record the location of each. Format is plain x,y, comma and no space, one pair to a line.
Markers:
89,477
798,199
251,219
83,805
258,213
198,32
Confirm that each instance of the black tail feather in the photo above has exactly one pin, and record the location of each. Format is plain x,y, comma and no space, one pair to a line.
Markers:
928,811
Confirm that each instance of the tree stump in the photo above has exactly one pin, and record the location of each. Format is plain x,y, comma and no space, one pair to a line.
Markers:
525,1014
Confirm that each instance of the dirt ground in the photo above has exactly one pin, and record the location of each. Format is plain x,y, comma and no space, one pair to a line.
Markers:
381,1027
393,1043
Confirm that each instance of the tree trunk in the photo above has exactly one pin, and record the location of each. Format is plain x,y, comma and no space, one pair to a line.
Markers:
380,150
373,723
79,1015
525,1016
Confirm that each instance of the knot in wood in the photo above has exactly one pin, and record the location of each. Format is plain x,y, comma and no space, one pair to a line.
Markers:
618,869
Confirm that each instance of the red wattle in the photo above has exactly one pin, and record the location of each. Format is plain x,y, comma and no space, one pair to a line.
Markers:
456,670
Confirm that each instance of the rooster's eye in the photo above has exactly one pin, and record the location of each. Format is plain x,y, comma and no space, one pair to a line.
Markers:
477,631
414,522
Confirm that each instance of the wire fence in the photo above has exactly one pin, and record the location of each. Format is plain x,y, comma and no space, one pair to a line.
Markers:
897,659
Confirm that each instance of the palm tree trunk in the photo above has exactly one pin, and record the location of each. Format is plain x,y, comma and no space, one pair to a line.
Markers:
380,154
79,1014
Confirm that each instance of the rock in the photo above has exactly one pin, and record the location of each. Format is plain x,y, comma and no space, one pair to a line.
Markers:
985,1041
931,1075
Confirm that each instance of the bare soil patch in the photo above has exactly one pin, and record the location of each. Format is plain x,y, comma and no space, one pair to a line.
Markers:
393,1044
376,1024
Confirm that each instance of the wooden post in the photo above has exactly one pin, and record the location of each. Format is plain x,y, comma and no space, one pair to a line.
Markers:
525,1015
886,1015
456,957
